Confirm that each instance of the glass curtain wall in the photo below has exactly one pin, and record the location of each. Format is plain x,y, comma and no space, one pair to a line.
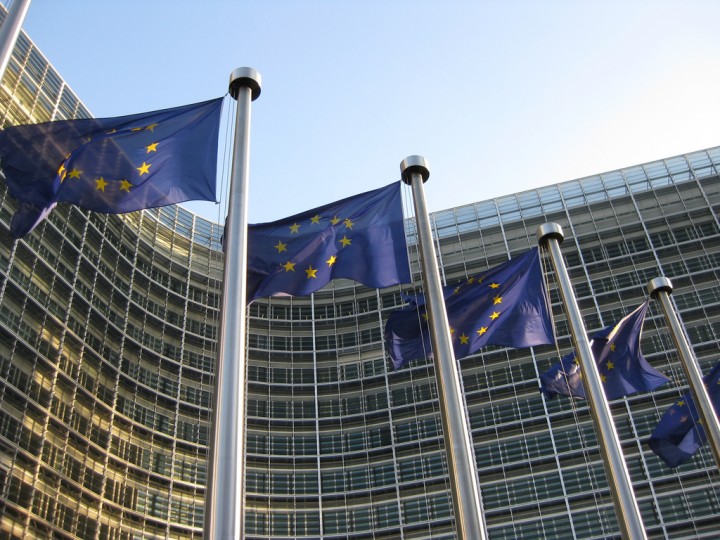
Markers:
108,329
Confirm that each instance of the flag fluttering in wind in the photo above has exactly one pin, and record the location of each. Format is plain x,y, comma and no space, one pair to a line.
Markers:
506,305
680,434
623,369
360,238
112,165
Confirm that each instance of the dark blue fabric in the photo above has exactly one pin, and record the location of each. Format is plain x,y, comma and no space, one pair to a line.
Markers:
360,238
112,165
679,434
506,305
623,369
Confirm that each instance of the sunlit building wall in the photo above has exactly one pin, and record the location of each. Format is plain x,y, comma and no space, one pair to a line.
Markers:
107,337
108,330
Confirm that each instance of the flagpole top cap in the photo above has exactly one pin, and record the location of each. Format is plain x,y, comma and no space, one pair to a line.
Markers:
245,77
412,165
659,284
550,230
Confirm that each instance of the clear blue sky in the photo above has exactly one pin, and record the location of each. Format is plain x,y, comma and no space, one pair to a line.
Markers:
499,96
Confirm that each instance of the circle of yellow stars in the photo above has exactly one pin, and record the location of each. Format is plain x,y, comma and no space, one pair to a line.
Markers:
294,229
101,183
496,301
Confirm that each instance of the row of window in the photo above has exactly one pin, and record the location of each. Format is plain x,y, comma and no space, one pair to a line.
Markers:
577,193
375,517
339,407
280,374
322,310
332,342
656,240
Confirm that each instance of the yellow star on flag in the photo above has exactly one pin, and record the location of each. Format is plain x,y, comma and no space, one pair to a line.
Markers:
75,173
311,272
494,285
482,330
495,315
464,340
100,184
144,168
348,223
335,220
497,300
125,185
280,246
295,228
151,147
289,266
345,241
315,220
331,260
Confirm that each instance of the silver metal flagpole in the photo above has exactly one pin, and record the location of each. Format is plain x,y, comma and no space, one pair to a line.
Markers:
464,481
660,288
623,496
10,31
224,510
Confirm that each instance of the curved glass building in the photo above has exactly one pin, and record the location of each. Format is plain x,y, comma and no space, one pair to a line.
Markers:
108,330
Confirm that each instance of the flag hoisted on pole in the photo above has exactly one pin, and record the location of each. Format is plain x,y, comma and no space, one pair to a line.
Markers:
361,238
660,288
112,165
621,490
680,433
622,367
464,482
505,305
224,512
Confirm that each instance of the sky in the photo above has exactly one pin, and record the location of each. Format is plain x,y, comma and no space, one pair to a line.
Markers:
498,96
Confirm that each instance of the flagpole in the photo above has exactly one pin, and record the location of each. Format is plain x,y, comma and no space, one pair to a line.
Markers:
626,507
660,288
10,31
224,508
464,481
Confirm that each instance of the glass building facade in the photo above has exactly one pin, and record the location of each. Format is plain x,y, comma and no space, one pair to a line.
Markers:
108,331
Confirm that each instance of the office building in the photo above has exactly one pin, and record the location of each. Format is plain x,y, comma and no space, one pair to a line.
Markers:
108,333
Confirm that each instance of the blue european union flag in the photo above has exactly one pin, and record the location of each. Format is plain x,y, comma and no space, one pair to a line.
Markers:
680,434
360,238
112,165
623,369
506,305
